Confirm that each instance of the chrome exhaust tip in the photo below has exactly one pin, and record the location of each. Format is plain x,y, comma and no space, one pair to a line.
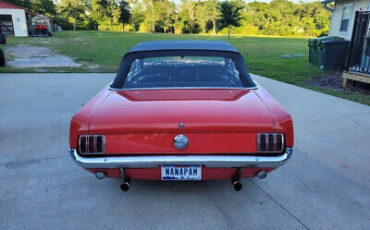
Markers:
237,185
261,174
125,185
100,175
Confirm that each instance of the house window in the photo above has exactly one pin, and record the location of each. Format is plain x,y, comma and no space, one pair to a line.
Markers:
346,17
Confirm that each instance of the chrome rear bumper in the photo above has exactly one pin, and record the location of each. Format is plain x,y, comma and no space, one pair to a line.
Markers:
212,161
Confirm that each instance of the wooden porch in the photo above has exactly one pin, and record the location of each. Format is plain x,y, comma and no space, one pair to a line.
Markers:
358,59
355,76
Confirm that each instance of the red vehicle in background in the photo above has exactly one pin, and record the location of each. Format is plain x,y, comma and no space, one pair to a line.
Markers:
182,110
41,30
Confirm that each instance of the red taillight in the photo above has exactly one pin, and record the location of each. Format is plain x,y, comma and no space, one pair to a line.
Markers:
99,144
92,144
82,144
270,142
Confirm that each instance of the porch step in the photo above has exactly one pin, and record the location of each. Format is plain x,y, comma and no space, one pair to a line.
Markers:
355,76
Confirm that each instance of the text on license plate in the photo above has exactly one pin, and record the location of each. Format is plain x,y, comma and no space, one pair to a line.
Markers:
178,172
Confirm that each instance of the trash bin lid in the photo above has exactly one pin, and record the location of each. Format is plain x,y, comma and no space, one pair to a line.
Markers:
313,42
330,39
334,41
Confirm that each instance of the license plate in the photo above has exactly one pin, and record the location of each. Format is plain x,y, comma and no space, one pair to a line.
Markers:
178,172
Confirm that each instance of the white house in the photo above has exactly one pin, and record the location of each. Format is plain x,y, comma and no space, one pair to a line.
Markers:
343,15
14,20
350,19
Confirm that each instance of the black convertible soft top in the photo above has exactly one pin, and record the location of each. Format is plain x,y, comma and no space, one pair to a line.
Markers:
182,48
183,45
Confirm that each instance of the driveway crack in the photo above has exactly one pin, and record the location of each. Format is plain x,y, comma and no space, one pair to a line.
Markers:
280,205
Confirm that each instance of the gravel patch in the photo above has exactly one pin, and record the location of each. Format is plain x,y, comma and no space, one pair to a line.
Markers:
26,56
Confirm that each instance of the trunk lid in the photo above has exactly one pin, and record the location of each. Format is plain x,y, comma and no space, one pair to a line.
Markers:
214,121
205,110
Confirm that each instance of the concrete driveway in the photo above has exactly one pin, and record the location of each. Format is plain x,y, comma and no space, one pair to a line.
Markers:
325,185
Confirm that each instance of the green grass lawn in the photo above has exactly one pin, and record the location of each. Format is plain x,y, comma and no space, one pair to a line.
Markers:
102,52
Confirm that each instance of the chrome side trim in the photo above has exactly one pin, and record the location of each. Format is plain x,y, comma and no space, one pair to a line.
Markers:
212,161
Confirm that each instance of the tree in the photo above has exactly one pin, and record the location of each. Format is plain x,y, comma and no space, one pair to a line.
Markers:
151,13
23,3
137,13
45,7
101,11
125,14
209,11
73,11
279,17
168,16
230,14
189,7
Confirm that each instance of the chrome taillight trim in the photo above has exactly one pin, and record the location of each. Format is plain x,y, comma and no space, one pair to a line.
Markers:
275,138
87,144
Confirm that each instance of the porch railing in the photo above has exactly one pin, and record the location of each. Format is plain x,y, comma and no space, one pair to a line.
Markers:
359,52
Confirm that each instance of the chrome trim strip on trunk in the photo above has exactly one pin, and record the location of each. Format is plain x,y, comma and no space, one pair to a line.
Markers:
192,88
165,88
212,161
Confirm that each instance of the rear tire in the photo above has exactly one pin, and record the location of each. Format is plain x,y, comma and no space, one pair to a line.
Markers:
2,39
2,58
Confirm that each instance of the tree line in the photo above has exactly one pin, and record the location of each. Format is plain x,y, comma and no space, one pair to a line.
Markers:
279,17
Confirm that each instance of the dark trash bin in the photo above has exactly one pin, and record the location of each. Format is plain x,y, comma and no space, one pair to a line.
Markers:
312,50
332,54
316,49
319,62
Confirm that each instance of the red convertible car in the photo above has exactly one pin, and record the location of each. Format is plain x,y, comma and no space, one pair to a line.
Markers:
182,110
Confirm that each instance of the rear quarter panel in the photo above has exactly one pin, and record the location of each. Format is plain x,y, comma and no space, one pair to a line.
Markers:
80,121
283,121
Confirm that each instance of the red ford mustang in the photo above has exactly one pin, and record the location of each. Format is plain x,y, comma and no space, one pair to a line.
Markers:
182,110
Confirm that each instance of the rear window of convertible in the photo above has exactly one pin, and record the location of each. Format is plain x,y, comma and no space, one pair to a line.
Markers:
182,72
